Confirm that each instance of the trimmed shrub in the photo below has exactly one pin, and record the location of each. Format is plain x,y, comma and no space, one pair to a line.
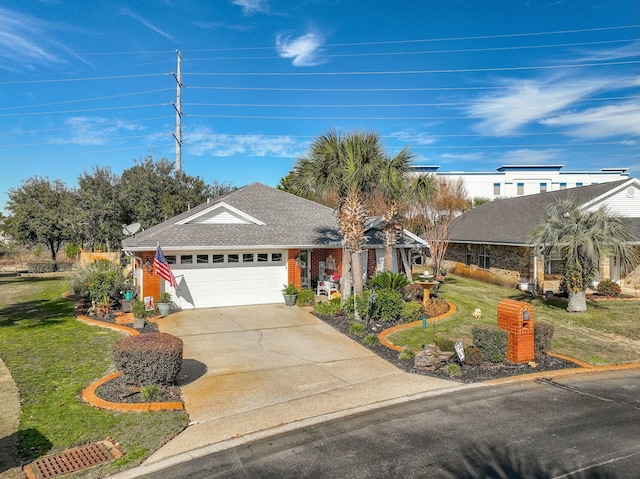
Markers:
328,308
388,305
606,287
410,311
153,358
445,344
542,336
41,267
357,329
388,280
436,307
413,292
491,341
473,355
306,297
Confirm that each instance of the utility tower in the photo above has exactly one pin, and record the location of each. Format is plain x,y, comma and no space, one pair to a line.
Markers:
178,106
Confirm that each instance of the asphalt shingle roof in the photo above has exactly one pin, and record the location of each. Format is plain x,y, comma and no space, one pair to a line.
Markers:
290,221
509,221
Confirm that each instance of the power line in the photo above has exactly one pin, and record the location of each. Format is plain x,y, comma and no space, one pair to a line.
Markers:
59,112
66,80
67,128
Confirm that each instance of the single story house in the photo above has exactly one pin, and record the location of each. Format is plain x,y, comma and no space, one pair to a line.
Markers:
494,236
244,247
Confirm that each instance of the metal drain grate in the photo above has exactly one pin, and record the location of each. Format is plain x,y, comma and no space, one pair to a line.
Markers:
74,460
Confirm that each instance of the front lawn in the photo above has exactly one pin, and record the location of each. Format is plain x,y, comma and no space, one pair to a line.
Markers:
608,333
52,356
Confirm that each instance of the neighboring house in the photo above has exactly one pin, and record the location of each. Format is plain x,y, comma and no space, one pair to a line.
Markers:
243,247
519,180
494,236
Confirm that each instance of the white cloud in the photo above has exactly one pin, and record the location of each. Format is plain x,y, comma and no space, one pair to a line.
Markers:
94,130
302,49
27,42
525,156
600,122
125,11
608,54
414,137
528,101
203,141
249,7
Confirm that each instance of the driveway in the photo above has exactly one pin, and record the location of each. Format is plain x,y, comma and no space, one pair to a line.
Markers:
252,369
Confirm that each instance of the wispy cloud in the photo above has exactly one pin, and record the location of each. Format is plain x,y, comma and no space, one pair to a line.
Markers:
204,141
529,101
629,50
85,130
129,13
601,122
302,49
414,137
249,7
26,42
525,156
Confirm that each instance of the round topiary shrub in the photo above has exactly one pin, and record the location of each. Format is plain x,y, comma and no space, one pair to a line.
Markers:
608,288
154,358
472,355
491,341
542,336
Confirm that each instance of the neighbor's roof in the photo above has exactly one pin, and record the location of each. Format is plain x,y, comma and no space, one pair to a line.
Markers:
509,221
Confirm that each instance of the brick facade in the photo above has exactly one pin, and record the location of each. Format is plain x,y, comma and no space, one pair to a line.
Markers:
150,279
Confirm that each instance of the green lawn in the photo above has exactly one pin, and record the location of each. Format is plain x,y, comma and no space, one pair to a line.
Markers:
52,356
608,333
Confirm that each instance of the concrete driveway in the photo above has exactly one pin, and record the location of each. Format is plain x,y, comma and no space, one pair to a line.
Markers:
253,369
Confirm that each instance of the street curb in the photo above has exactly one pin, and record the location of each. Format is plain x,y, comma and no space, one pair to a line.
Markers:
560,373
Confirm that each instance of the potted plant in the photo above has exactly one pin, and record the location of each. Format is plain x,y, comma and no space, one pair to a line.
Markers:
164,304
290,294
139,312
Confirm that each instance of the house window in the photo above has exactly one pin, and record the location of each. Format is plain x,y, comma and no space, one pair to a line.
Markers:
263,257
469,257
496,189
276,257
171,259
186,259
247,257
233,258
553,262
579,183
520,189
202,258
563,186
484,257
543,187
217,258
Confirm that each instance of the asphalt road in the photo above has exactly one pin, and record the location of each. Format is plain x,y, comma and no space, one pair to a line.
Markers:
581,426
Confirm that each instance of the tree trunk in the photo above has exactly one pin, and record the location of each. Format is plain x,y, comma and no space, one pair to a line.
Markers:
577,302
345,280
388,257
356,268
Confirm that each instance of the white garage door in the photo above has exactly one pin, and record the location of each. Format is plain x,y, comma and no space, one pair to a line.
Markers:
210,280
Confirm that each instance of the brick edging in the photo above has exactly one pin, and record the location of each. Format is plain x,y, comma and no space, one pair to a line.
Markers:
88,394
382,337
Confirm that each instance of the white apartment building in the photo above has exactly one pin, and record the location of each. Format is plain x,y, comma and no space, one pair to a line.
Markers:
518,180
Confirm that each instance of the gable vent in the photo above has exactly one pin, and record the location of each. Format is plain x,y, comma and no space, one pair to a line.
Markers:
631,192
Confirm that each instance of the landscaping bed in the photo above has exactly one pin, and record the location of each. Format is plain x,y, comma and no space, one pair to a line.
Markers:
469,373
117,391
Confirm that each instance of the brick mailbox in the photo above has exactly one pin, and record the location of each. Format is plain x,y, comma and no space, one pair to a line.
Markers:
516,318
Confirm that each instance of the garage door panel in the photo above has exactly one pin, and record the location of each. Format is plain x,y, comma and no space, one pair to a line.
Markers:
228,285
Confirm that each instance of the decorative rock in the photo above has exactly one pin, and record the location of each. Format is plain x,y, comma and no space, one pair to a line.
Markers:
431,358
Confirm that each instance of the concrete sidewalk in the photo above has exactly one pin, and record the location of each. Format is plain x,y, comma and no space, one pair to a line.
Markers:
269,369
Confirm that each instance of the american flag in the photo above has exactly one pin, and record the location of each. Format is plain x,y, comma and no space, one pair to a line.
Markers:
163,268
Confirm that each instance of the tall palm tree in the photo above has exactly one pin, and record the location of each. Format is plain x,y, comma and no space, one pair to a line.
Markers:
583,238
397,194
346,168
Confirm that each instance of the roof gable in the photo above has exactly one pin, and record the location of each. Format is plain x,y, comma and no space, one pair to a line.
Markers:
220,213
623,200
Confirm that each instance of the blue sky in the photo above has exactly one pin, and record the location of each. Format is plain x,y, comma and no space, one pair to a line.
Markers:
467,84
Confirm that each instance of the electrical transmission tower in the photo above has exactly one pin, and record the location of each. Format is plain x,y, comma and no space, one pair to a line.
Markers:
178,106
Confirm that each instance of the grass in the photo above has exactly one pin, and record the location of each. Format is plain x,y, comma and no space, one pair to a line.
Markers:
52,356
608,333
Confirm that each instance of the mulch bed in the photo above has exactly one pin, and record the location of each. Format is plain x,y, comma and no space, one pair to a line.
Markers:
118,391
470,374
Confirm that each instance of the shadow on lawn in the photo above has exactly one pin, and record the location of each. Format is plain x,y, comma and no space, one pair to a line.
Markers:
36,313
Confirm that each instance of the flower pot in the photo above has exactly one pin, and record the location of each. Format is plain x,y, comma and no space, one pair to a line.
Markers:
164,308
290,299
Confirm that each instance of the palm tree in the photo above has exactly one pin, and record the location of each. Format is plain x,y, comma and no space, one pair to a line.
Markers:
397,194
346,168
583,238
